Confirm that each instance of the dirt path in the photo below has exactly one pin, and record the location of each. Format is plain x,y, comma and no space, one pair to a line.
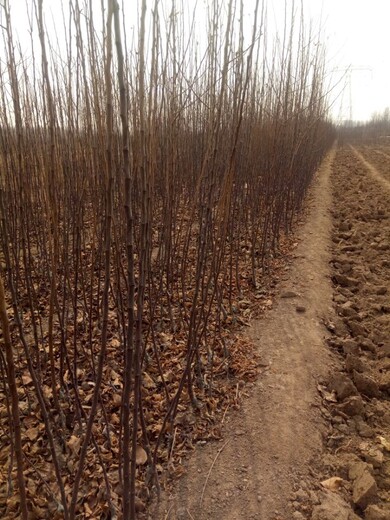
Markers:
271,447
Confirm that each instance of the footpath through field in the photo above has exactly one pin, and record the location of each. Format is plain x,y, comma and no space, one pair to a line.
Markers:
266,464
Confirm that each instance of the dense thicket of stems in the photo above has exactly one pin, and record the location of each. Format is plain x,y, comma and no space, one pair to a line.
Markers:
11,379
146,182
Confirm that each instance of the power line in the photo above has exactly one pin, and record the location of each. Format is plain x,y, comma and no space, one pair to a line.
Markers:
348,71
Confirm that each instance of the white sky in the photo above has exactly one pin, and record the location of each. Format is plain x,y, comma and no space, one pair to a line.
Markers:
356,34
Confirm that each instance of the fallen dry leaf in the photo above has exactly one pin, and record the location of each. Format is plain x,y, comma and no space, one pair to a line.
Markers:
333,483
148,382
139,505
141,456
32,433
74,444
27,379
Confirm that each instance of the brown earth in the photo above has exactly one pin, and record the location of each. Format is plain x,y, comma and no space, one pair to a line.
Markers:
377,164
378,156
358,443
312,440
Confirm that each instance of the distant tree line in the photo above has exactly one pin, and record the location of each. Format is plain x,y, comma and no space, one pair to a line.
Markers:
377,128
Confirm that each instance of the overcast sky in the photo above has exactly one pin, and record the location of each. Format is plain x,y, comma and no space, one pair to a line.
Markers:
356,34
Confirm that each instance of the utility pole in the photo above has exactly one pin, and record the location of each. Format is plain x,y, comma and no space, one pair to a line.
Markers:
348,85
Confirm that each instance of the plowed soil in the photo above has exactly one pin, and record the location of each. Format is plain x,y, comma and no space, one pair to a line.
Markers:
358,443
312,440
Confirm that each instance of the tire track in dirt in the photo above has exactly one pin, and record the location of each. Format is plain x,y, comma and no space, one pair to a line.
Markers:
272,446
371,169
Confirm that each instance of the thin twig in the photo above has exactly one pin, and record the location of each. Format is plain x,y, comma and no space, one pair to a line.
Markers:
224,413
173,445
210,470
167,515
